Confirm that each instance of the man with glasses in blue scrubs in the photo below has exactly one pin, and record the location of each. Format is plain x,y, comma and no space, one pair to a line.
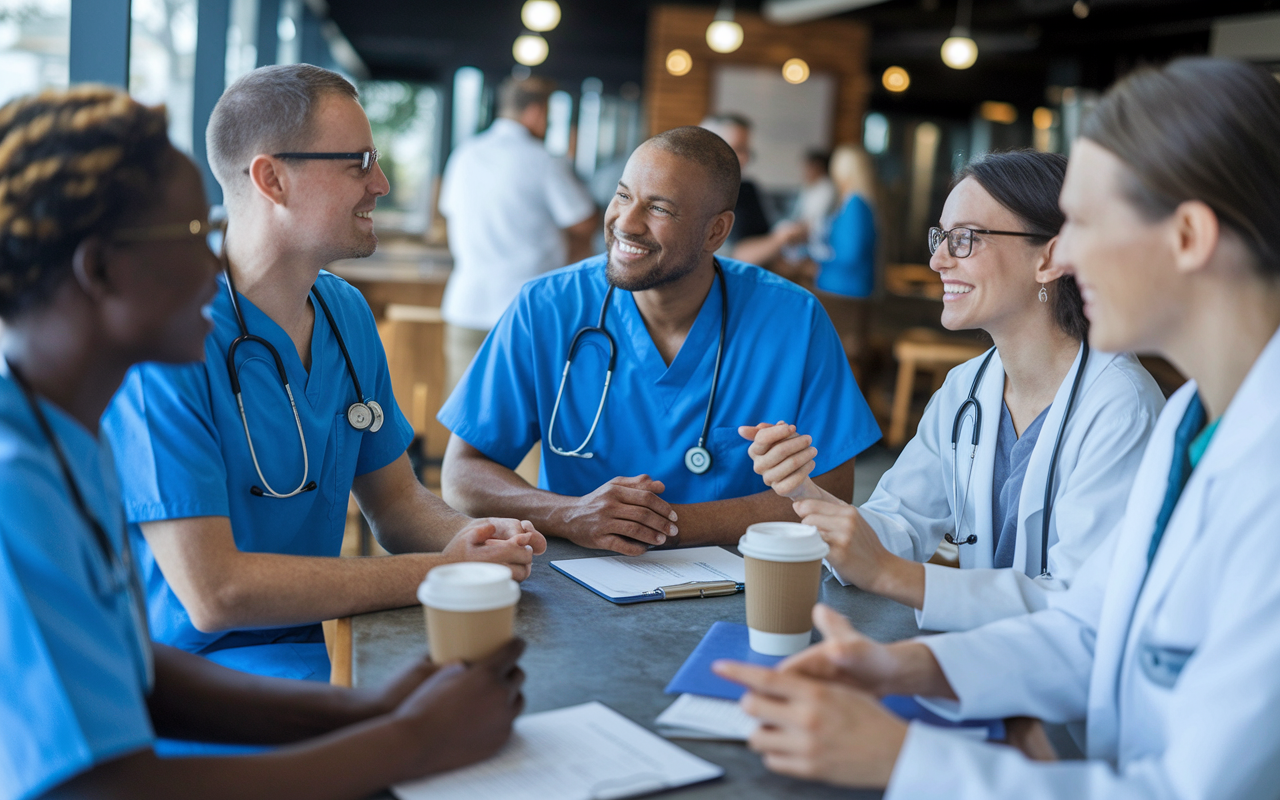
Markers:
237,471
638,448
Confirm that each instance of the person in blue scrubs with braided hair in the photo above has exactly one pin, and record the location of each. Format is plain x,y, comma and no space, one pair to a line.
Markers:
238,471
671,348
104,264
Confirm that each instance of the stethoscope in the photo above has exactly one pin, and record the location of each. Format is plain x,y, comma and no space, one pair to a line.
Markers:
364,414
971,405
121,575
697,459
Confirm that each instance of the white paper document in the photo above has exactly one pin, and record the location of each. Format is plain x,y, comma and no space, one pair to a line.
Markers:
693,716
623,577
585,752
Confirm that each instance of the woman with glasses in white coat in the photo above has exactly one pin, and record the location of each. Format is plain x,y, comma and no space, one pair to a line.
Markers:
1168,642
1024,458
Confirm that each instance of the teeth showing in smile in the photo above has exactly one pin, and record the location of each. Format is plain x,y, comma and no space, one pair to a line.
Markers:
956,288
364,214
631,249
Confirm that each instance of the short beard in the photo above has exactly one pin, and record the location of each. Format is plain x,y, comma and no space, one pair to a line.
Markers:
651,279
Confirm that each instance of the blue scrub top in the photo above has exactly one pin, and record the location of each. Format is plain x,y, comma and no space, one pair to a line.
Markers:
782,361
181,449
851,269
75,686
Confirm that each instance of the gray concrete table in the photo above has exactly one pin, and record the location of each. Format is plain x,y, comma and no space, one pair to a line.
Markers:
582,648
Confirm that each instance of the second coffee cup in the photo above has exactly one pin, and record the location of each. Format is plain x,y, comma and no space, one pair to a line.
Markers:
470,610
784,572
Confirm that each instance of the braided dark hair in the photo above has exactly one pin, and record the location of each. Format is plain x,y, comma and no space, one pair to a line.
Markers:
73,163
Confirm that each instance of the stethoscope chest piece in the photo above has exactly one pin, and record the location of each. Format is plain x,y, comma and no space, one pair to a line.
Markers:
365,416
697,460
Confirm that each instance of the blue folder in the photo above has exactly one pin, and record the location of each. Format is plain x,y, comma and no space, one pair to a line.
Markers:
729,640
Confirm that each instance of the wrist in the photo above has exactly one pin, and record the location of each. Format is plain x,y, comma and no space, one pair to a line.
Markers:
916,671
900,580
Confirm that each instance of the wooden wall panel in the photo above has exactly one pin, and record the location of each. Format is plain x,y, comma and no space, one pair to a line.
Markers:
838,47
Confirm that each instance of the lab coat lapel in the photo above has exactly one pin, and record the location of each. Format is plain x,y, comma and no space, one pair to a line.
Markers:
1026,554
1252,409
698,349
980,555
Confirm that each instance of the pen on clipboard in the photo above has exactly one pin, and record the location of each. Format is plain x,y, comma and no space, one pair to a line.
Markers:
680,591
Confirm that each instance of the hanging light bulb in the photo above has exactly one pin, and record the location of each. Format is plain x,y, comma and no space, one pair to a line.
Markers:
540,15
724,35
959,51
530,49
679,62
795,70
896,79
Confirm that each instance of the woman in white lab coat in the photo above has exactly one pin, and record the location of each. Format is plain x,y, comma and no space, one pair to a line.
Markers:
1169,641
980,472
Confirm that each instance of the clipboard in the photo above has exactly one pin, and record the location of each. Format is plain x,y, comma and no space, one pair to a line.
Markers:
700,572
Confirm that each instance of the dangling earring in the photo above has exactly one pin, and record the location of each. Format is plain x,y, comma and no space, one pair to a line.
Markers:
1044,295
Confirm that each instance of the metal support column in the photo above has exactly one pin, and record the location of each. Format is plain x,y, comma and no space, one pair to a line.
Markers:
214,17
100,42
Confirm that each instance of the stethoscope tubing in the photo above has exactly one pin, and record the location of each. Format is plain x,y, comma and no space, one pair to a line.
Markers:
599,327
971,403
245,336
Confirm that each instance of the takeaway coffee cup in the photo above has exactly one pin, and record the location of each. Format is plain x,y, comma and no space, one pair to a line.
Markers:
784,571
470,609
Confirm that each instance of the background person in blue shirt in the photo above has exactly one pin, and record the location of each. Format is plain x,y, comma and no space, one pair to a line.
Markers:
781,360
231,572
104,265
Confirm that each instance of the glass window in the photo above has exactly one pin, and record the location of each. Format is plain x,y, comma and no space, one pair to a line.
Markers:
162,55
468,102
34,41
405,119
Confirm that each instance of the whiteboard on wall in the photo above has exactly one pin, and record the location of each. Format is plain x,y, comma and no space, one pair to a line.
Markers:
786,119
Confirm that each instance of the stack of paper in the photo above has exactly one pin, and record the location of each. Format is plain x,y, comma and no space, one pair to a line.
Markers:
692,716
585,752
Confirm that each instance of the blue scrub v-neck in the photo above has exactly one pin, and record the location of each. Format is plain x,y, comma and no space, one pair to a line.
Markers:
698,347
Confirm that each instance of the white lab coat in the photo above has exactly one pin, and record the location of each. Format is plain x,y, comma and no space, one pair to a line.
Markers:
1109,650
912,507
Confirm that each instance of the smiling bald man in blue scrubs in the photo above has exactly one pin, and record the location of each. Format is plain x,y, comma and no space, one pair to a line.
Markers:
664,295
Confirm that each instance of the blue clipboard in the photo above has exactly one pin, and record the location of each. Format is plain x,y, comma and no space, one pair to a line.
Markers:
729,640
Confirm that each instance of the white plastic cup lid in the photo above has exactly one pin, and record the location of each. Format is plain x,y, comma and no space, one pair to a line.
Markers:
469,586
783,541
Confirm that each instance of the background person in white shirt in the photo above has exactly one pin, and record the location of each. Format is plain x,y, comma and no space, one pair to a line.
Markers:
514,212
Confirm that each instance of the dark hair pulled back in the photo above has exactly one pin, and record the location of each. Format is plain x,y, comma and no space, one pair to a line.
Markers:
1028,183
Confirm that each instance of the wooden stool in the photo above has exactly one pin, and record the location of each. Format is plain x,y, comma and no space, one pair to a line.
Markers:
923,349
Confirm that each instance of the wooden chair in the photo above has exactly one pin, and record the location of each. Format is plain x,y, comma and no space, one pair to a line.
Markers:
921,349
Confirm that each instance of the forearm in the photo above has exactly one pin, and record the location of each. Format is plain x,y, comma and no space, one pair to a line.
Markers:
483,488
915,672
351,764
258,590
900,580
416,521
194,698
759,250
724,522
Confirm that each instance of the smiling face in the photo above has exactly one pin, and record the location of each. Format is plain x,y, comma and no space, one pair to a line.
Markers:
1117,255
160,290
993,287
663,220
331,203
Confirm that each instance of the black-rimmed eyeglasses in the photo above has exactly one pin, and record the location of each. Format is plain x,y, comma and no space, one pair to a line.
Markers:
960,240
367,159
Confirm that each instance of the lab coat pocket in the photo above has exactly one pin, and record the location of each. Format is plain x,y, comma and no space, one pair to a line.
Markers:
1163,665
